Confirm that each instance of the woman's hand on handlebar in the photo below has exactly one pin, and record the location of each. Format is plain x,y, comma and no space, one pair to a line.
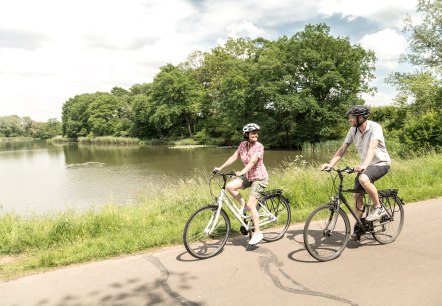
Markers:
216,170
326,167
238,173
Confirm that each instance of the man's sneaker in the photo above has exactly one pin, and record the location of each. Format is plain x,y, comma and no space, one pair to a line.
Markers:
376,214
356,236
257,237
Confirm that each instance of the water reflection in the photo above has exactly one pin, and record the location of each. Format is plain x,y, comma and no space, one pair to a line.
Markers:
40,178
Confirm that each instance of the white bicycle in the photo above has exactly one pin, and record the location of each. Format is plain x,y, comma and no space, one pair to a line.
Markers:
208,228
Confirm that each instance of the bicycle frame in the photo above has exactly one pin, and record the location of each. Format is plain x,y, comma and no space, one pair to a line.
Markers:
225,199
340,197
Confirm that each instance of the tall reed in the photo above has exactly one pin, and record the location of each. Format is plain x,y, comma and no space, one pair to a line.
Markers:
108,140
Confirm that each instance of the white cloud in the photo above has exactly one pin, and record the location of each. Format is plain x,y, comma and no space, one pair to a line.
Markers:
388,45
386,12
378,99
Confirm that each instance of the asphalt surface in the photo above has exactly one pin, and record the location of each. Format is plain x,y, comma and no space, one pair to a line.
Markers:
406,272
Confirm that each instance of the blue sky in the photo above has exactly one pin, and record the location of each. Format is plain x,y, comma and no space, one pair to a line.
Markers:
52,50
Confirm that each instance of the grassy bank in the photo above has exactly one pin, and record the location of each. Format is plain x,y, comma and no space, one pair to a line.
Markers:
39,243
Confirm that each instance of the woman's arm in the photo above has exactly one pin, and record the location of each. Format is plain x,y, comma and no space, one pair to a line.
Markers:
228,162
249,166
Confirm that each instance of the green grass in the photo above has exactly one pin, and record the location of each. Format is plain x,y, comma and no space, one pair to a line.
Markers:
39,243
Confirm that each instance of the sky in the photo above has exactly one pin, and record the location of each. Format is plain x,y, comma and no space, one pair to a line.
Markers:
52,50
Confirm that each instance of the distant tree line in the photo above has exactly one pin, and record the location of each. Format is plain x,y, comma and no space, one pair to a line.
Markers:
297,89
15,126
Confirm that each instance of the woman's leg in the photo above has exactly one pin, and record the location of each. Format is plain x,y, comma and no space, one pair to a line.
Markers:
251,206
232,187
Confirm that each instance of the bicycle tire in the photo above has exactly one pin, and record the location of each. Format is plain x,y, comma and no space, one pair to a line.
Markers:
322,243
197,242
279,206
390,225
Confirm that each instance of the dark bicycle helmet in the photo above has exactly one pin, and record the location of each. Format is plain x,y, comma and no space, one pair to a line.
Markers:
250,127
359,110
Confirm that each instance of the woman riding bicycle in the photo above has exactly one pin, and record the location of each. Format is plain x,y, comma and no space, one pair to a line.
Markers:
253,175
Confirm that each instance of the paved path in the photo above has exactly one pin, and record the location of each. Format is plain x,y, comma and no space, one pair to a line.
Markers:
406,272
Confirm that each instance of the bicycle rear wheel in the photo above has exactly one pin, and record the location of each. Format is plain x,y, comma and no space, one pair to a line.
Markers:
280,208
202,237
388,228
326,233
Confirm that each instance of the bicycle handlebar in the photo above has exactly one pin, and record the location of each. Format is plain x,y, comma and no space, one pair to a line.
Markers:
226,174
347,169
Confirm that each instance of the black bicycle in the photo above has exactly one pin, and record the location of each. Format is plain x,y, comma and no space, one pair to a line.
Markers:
327,229
207,229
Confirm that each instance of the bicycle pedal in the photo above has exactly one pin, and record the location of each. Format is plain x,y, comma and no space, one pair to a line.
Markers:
243,231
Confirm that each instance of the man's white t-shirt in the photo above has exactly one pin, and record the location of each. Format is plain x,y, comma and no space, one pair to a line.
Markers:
361,140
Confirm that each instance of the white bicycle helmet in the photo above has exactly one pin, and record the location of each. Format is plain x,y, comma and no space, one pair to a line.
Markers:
250,127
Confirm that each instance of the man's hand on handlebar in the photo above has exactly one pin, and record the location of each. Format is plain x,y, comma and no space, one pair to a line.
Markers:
358,168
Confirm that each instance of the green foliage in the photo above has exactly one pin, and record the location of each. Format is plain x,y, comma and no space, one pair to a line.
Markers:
15,126
11,126
74,116
421,134
426,35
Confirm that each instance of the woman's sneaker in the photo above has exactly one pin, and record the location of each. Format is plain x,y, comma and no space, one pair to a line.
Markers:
257,237
376,214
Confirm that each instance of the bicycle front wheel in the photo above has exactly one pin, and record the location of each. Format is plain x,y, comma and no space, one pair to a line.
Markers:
326,233
279,207
205,234
388,228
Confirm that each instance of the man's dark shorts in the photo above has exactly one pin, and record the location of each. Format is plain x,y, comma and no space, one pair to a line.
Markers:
374,172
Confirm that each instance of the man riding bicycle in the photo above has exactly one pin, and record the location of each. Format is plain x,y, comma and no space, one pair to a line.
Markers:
375,161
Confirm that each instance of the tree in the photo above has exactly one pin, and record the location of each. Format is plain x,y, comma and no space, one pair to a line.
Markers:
11,126
176,98
309,80
425,40
106,115
74,118
420,92
46,130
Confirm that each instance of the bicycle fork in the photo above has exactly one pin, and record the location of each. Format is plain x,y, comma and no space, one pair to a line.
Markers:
331,224
214,218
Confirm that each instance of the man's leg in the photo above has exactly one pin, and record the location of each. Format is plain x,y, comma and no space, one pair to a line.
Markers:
359,204
370,188
359,207
367,179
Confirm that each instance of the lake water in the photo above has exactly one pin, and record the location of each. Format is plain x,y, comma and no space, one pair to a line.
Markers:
41,178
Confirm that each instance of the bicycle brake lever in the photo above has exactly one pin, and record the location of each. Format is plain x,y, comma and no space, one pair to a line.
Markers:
349,170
